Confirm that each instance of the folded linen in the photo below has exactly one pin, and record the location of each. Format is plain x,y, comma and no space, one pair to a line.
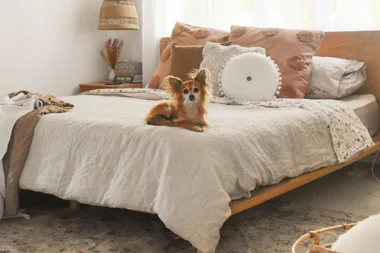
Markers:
8,118
16,143
22,99
45,99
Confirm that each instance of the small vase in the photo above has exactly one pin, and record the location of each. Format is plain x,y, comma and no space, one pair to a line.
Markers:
111,75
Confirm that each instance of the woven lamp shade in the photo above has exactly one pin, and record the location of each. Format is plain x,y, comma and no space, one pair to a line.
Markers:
118,15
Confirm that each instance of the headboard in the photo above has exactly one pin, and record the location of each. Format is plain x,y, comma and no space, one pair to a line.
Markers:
356,45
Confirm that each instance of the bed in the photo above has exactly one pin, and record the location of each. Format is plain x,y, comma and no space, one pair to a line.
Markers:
357,45
101,153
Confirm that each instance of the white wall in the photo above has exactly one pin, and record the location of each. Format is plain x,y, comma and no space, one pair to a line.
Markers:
132,39
51,46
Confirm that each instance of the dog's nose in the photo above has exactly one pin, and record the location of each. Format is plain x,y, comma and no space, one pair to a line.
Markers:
191,97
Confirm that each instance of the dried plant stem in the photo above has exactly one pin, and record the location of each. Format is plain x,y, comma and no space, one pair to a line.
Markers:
111,51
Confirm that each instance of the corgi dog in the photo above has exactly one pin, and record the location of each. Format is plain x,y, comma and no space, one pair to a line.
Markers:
187,105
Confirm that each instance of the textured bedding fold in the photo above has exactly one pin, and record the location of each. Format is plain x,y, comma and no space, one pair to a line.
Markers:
102,153
20,142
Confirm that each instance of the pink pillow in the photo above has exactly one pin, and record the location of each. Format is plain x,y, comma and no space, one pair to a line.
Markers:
184,35
291,49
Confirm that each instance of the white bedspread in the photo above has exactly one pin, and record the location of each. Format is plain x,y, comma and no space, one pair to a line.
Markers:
102,153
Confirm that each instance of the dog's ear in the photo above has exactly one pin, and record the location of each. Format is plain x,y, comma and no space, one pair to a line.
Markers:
175,82
201,76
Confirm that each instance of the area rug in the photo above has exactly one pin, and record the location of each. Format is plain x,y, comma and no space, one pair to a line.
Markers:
268,228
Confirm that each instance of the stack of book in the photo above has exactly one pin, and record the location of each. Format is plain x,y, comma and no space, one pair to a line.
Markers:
137,79
128,72
123,77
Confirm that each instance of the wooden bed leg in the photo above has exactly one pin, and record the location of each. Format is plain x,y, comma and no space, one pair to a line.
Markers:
74,205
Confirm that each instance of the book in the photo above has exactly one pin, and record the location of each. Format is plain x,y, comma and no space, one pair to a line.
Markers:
137,79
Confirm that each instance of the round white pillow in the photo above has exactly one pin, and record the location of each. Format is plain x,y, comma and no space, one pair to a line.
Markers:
364,237
251,77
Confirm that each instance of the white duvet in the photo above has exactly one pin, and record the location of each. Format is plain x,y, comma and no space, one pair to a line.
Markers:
102,153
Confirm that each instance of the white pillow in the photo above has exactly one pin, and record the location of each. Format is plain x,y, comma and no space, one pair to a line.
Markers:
364,237
251,77
333,78
215,57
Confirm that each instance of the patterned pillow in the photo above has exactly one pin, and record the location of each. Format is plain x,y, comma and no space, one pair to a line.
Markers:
215,57
291,49
183,34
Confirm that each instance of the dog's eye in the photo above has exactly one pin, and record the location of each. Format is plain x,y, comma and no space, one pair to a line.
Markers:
196,90
185,91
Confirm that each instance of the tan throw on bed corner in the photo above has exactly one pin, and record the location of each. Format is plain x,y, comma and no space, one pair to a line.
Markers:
19,144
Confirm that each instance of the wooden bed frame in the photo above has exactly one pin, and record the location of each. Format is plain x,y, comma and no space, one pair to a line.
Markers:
357,45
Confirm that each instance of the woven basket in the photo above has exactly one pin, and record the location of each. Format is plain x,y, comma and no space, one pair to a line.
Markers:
314,236
118,15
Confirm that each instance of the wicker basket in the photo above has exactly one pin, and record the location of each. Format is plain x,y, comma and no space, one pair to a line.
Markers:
314,236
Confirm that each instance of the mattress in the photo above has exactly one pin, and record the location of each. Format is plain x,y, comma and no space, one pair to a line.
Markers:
366,108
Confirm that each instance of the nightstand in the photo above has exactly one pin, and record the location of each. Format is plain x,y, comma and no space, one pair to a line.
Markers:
102,85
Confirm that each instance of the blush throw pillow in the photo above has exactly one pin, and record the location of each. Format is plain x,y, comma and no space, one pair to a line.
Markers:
183,34
334,78
215,57
186,59
251,77
291,49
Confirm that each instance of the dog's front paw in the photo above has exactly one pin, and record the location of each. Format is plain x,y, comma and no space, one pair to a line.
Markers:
198,129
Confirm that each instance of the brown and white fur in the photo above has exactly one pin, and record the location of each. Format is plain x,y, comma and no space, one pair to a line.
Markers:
187,107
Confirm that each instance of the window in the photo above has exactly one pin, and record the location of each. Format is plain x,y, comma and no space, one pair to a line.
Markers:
159,17
328,15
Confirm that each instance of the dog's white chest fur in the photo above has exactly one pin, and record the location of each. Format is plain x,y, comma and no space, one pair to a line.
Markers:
191,109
